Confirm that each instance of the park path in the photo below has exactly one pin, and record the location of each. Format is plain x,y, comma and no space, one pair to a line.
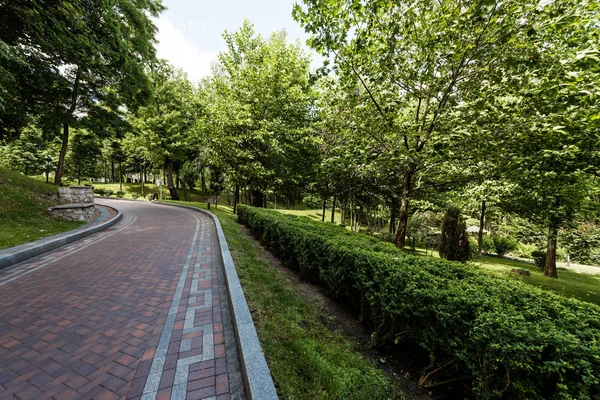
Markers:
138,311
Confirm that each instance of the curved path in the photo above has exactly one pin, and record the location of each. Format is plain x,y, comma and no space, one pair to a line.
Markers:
136,311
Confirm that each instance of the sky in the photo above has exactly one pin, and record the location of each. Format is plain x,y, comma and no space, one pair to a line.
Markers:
189,31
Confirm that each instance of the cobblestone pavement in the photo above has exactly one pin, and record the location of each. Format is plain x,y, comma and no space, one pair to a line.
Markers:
138,311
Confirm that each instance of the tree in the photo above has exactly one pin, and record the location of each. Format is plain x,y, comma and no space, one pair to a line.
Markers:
189,175
454,243
166,125
84,155
91,56
414,60
259,120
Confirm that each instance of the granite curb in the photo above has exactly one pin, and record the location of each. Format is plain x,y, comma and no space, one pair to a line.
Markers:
255,371
17,254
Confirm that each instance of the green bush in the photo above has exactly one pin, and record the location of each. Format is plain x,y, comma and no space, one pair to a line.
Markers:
473,247
110,192
539,258
149,196
100,191
312,201
488,243
135,195
120,193
506,339
504,244
454,243
523,250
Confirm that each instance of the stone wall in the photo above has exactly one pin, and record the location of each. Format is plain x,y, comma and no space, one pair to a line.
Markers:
76,194
76,203
73,212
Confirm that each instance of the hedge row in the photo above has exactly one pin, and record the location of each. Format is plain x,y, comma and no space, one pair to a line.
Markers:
504,339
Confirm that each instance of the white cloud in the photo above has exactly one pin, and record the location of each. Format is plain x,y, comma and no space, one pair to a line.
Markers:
182,52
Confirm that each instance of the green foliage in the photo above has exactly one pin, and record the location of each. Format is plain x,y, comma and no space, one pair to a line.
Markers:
260,110
110,192
503,244
583,243
312,201
539,258
454,243
507,339
524,250
120,193
473,246
135,195
83,157
100,190
488,243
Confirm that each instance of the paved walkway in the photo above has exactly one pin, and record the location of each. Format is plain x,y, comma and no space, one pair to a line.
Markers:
138,311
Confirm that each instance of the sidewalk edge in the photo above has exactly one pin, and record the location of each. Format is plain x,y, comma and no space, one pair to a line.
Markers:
17,254
255,371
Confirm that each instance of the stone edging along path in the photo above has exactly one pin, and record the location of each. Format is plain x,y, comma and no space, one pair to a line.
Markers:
255,371
17,254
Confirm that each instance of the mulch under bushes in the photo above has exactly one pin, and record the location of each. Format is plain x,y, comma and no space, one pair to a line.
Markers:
501,338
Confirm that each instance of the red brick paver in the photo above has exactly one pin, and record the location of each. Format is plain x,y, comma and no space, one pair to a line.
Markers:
91,320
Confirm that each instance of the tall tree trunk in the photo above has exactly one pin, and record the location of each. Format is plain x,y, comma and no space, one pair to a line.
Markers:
65,138
403,220
112,169
203,180
236,197
333,210
170,184
324,208
550,269
343,213
394,212
120,173
480,234
61,156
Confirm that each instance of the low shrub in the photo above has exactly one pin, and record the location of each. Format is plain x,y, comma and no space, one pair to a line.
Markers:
150,195
110,192
100,191
473,248
135,195
524,250
503,338
539,258
488,243
503,244
120,194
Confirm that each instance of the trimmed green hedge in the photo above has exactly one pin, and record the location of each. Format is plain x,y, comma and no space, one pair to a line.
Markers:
504,339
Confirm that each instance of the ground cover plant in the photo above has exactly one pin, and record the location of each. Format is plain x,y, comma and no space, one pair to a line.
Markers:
306,358
499,338
23,204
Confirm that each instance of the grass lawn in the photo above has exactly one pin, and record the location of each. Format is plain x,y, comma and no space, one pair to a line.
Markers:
23,204
308,360
570,284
